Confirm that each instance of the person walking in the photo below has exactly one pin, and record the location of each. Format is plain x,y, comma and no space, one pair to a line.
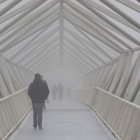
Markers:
54,91
69,92
60,91
38,92
45,83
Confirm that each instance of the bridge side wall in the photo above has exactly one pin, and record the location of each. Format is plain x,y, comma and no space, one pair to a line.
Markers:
122,117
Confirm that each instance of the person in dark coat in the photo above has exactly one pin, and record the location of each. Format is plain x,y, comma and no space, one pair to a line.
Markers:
60,89
38,92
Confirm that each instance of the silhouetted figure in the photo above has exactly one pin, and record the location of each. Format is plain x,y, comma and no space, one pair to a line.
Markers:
54,91
60,89
38,92
41,77
69,92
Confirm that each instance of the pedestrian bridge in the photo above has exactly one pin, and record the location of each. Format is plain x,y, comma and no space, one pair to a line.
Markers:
90,114
93,46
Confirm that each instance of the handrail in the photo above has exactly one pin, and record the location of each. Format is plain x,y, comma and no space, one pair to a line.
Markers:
120,116
13,109
117,97
9,96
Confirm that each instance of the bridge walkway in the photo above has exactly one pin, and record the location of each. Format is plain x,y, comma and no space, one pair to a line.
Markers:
64,120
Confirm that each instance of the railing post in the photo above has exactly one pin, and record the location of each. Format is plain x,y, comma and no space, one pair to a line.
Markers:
118,73
5,74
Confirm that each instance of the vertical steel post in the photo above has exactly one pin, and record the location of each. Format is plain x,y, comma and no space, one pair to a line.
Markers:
5,74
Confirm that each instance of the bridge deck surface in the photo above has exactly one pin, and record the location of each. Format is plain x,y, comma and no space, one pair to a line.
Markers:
66,120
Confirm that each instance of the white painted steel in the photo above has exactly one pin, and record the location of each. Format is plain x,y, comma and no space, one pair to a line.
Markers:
111,23
28,43
13,109
130,4
39,42
100,79
89,43
95,44
125,74
83,44
5,74
85,28
84,50
15,40
130,87
111,14
95,17
71,66
75,54
77,51
46,60
100,27
118,73
77,67
120,116
22,15
108,71
17,11
123,14
48,6
77,62
44,56
61,22
8,7
97,30
1,1
29,25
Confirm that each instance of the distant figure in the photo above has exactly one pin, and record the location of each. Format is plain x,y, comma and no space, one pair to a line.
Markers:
41,77
54,91
38,92
60,89
69,92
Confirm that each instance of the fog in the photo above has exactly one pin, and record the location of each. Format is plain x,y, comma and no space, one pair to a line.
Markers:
76,53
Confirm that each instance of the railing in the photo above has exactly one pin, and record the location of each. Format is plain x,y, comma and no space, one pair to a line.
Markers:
120,116
13,109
